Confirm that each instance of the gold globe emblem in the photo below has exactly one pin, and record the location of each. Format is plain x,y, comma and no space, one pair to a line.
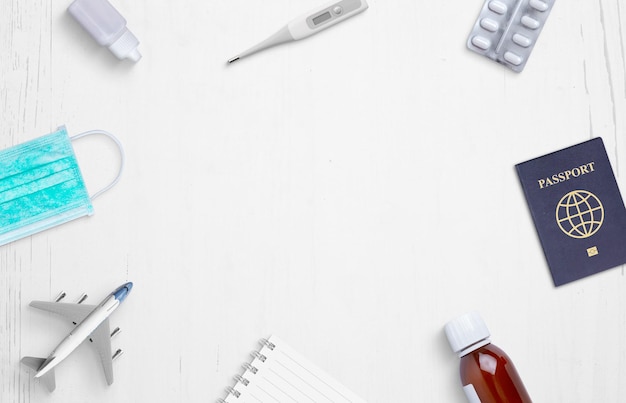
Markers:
580,214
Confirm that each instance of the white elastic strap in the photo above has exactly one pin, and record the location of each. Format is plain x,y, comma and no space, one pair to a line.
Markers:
122,157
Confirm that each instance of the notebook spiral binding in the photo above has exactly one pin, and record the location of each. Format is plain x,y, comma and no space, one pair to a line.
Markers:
250,369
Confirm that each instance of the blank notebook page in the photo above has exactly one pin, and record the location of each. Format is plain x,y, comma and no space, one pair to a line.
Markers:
280,374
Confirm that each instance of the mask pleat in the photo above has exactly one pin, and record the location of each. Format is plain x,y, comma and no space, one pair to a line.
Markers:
40,186
42,183
32,154
30,178
43,201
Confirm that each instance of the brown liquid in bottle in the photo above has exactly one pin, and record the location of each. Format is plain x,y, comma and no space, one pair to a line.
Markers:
487,373
493,376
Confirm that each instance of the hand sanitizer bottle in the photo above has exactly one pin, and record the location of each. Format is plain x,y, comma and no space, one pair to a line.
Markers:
107,26
487,373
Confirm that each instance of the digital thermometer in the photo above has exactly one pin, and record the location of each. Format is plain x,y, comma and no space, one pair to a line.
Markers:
310,23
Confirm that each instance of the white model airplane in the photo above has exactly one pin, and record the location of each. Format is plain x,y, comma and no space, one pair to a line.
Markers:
92,323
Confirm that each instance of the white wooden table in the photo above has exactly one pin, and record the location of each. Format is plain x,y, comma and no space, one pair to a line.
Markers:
350,193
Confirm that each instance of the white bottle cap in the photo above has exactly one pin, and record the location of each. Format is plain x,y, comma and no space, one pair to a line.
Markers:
467,333
125,47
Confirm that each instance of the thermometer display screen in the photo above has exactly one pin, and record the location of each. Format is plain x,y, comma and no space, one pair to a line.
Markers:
321,18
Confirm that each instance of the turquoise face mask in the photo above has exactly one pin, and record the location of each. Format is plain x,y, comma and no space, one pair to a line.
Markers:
41,185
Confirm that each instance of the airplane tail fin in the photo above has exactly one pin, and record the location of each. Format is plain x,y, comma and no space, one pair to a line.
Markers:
36,363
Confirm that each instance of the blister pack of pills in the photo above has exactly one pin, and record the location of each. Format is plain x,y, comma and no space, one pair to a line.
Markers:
506,30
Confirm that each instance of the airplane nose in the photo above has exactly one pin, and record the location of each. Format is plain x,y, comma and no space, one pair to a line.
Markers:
122,291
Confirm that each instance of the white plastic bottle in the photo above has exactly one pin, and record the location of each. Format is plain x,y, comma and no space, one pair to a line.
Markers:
107,26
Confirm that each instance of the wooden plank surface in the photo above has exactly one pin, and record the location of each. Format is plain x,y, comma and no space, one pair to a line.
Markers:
350,193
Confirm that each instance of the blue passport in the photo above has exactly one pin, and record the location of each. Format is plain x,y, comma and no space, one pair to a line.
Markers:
577,208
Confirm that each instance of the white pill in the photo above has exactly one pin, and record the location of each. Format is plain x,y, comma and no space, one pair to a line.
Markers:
481,42
489,24
538,5
529,22
513,58
497,7
522,40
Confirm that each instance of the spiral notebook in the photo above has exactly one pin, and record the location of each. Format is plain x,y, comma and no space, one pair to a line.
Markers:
278,373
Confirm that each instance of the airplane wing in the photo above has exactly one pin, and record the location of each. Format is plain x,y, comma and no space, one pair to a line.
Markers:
74,312
101,340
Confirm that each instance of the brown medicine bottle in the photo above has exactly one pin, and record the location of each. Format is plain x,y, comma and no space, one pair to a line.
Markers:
487,373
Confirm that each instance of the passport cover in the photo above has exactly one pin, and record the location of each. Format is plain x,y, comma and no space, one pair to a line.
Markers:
577,208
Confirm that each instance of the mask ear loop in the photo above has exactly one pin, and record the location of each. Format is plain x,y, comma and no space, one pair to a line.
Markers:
122,157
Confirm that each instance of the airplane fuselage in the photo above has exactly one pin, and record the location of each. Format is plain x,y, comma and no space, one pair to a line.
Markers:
80,333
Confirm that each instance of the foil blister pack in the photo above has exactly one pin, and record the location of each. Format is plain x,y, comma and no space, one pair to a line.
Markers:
506,30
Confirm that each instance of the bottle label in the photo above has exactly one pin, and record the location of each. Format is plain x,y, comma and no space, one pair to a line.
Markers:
470,392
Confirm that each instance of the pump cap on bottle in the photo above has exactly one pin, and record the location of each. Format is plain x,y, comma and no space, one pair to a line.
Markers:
466,331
